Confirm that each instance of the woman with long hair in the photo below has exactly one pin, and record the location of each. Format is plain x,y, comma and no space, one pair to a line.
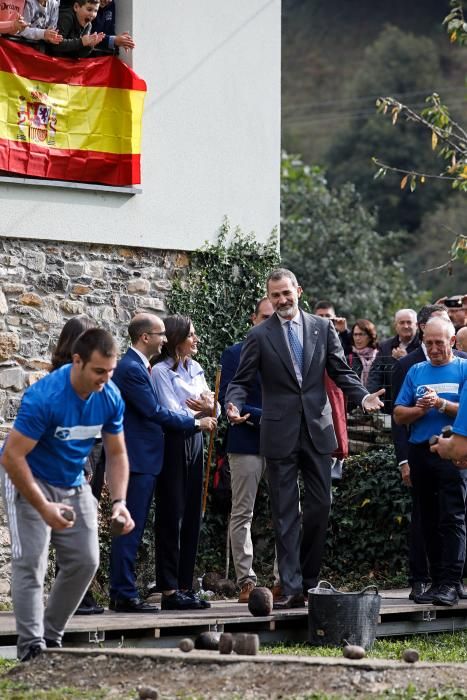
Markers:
70,331
364,348
181,386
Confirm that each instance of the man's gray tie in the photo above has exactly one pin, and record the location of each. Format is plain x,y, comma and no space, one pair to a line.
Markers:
295,346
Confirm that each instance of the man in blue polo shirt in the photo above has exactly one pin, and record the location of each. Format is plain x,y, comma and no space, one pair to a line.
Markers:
43,483
428,399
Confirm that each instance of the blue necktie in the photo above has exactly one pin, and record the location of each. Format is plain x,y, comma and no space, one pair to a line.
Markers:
295,346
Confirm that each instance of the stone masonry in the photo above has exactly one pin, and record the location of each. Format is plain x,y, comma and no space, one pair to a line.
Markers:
42,285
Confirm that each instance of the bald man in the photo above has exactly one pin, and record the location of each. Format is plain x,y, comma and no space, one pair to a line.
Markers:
428,400
404,342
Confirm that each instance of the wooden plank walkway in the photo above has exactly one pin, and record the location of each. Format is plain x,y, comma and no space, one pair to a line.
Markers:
398,616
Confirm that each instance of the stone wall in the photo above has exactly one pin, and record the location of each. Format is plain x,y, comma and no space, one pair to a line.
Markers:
42,285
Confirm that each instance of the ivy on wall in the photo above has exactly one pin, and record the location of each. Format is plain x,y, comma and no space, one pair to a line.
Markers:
220,289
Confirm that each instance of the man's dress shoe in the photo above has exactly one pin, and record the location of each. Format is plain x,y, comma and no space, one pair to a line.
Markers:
461,592
182,601
132,605
418,587
89,606
446,595
427,596
203,604
285,602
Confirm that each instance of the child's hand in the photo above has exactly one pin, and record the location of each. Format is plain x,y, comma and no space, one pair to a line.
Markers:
52,36
19,24
92,39
124,41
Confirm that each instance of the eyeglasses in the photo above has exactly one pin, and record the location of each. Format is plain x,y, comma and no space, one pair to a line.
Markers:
358,335
155,333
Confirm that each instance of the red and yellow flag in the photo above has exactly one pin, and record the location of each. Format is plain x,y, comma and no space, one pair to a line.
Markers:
69,119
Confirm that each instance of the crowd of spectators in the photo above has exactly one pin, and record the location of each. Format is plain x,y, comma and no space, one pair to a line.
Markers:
69,28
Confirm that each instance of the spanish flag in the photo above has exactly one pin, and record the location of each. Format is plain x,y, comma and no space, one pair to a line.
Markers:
69,119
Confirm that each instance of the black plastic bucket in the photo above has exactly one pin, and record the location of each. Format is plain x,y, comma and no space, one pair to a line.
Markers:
336,618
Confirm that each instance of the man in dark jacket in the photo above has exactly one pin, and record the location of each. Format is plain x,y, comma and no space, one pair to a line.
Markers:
247,466
105,22
403,343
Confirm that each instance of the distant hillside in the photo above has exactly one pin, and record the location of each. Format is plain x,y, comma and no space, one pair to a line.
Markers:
323,46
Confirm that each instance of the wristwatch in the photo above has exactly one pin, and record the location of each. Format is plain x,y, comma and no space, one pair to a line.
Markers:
442,408
197,423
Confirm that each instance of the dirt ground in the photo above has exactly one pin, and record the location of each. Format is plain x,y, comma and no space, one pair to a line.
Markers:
204,675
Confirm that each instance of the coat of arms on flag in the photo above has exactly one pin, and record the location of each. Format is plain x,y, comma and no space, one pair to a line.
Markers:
37,118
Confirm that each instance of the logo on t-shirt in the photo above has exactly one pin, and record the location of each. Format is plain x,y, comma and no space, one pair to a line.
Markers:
442,388
77,432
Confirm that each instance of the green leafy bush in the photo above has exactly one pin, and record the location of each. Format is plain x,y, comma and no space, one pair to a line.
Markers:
369,522
220,289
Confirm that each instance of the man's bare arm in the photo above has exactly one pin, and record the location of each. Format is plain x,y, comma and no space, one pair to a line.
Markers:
454,448
16,449
117,473
406,415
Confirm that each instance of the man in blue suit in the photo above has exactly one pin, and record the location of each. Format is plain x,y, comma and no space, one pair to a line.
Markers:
144,421
246,464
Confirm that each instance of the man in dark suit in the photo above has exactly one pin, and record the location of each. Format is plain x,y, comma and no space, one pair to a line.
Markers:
403,343
246,464
291,351
419,575
144,421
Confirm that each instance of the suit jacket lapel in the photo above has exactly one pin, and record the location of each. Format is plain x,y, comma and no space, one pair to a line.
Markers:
310,338
276,337
135,357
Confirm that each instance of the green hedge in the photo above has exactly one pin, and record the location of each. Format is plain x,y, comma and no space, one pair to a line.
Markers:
367,537
368,530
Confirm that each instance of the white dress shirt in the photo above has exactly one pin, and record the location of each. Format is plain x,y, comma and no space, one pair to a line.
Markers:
175,386
143,357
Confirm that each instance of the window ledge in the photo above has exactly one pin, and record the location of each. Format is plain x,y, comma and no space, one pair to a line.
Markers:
70,185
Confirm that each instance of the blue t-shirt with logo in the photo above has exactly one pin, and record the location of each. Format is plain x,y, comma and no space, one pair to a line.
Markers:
66,426
460,424
448,382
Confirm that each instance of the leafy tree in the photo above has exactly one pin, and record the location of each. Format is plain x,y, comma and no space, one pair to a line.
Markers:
448,137
329,239
428,264
402,64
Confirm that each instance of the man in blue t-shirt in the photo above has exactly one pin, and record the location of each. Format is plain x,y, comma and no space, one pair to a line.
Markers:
45,492
429,397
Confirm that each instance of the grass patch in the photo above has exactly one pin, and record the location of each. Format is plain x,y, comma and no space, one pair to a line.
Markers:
15,690
10,690
410,693
446,647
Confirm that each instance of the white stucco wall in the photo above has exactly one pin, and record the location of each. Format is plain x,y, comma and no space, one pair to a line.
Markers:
211,134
